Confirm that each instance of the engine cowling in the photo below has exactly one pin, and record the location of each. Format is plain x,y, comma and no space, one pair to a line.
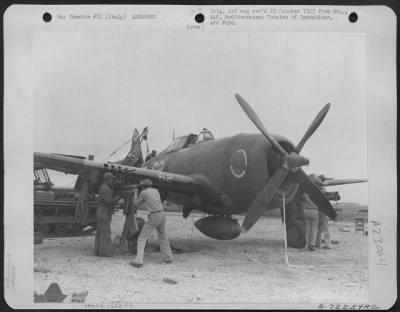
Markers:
219,227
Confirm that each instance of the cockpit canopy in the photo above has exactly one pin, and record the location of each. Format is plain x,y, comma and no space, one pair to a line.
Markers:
189,140
205,135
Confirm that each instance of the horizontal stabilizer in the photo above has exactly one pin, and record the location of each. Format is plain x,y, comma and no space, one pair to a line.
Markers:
333,182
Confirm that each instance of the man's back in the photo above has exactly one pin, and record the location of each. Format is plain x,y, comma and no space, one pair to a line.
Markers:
105,195
152,199
307,202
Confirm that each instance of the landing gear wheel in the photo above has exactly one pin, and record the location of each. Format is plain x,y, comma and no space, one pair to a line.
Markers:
44,228
60,229
76,228
295,235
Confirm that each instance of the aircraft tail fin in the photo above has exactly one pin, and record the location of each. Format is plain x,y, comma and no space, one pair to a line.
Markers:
135,155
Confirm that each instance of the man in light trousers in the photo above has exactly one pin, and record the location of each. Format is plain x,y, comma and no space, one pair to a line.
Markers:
311,216
323,228
149,199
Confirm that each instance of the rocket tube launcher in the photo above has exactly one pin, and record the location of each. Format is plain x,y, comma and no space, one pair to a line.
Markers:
130,225
127,190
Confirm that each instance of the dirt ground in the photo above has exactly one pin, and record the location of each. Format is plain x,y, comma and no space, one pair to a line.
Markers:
249,269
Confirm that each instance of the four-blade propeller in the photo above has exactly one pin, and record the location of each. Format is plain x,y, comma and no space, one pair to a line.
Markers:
290,162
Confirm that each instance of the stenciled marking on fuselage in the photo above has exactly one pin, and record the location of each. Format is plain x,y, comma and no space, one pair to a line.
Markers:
238,163
158,165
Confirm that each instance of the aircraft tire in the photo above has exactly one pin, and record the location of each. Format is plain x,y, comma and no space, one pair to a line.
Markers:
296,235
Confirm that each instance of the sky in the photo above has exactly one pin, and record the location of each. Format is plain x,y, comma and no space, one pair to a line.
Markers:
92,90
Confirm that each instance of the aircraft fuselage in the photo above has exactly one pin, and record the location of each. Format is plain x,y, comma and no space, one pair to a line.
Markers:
234,168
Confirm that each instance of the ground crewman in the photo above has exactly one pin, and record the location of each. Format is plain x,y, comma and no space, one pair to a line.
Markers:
149,199
311,220
102,243
323,228
152,155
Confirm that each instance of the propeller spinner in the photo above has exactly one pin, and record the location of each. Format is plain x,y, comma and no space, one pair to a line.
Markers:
291,162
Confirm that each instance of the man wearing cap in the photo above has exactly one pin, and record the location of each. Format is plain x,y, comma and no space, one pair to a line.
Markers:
149,199
102,243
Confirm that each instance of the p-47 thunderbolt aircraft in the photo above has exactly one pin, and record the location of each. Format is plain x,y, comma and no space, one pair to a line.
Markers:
242,174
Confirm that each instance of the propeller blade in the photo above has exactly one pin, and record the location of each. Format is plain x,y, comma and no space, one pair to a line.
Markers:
258,123
315,193
314,126
263,198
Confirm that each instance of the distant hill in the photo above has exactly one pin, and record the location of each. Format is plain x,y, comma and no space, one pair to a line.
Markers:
349,211
350,206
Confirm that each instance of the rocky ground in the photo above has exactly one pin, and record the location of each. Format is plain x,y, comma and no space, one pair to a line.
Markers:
249,269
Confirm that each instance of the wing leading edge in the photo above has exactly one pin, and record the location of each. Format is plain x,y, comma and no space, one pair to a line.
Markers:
72,165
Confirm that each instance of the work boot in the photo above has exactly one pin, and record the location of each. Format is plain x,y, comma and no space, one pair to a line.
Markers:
311,248
326,247
167,261
135,264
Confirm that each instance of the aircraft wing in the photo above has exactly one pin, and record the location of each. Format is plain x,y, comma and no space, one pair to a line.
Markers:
333,182
74,165
62,163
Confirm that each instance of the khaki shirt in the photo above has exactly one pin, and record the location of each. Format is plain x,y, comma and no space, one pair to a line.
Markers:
307,202
150,200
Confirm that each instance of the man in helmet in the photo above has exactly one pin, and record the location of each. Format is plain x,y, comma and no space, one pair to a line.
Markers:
149,199
102,243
